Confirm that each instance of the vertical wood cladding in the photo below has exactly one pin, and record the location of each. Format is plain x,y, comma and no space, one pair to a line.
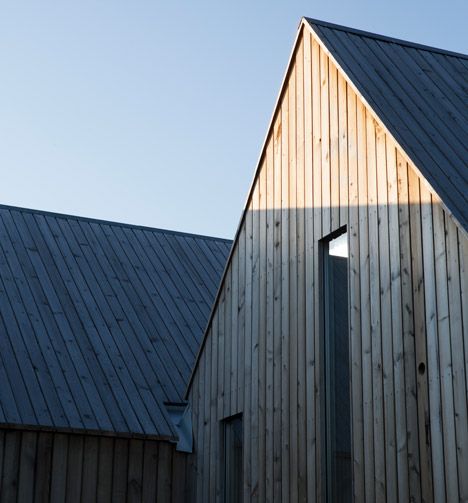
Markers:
57,467
328,162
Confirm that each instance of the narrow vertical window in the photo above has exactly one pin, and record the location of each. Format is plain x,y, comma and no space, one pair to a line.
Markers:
232,446
337,369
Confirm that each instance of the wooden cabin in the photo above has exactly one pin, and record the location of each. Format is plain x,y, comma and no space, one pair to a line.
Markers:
100,324
334,365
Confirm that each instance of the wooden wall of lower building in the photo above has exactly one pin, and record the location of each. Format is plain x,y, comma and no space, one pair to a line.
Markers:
328,162
58,467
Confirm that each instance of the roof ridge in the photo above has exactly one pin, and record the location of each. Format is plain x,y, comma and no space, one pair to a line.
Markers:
111,222
384,38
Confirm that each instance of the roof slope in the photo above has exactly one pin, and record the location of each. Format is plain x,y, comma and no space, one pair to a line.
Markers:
99,322
421,95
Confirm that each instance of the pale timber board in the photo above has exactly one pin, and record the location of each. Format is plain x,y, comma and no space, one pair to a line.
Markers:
432,345
317,226
364,303
343,146
325,141
248,352
385,314
375,320
269,313
262,460
285,215
456,276
195,459
408,330
292,294
241,320
277,372
213,454
301,280
309,270
227,344
206,443
397,325
219,337
234,333
445,357
417,271
463,325
200,432
334,144
355,351
254,449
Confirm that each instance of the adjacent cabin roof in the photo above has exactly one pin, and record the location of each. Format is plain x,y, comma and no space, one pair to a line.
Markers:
100,322
420,94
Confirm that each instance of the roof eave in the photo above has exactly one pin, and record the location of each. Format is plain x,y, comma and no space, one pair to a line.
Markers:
90,432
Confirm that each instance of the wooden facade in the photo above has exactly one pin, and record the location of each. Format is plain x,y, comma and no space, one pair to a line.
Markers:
329,161
39,466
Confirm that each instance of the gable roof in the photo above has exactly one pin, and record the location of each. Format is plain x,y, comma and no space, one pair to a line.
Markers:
421,95
100,322
446,97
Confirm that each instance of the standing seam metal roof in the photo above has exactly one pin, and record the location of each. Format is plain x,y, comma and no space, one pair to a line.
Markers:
100,322
421,95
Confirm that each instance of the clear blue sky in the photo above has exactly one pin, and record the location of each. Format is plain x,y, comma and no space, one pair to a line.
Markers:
154,112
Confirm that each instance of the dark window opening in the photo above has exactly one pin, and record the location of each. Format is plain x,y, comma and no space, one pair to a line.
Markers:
336,369
232,447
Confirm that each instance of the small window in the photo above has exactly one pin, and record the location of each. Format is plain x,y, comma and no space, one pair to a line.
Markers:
336,368
232,448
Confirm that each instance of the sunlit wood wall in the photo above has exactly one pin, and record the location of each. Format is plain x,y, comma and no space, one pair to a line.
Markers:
328,163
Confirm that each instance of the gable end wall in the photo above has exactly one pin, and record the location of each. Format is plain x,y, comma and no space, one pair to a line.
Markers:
327,163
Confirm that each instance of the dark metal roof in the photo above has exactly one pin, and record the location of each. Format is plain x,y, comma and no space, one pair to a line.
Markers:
421,95
100,322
